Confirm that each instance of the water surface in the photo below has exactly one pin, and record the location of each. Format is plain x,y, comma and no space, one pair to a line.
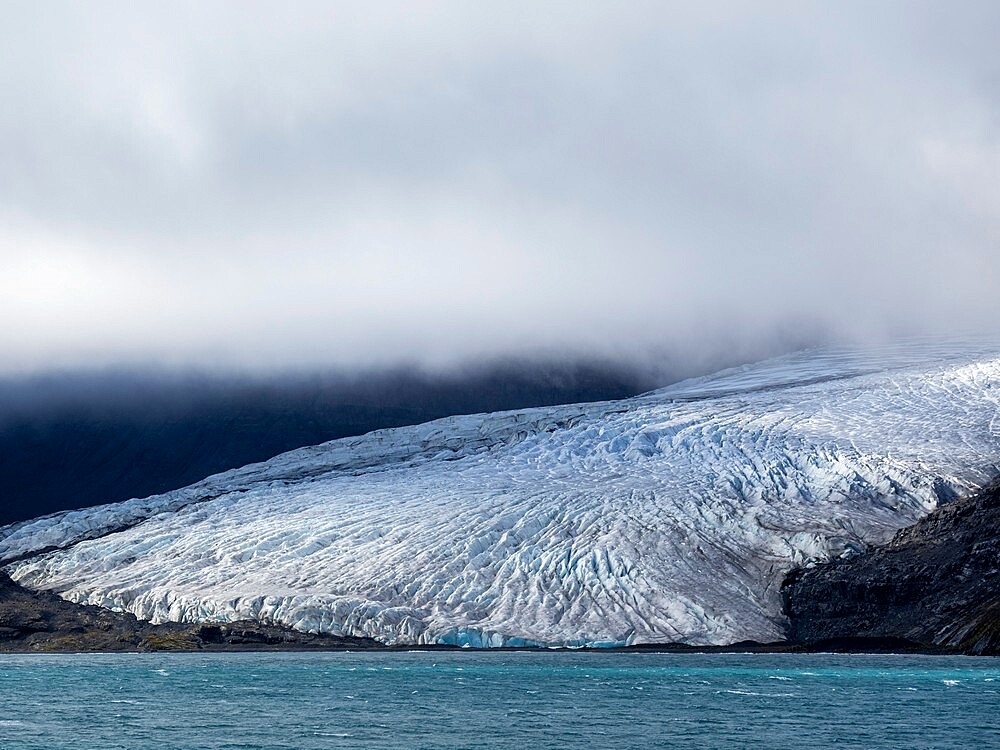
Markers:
521,700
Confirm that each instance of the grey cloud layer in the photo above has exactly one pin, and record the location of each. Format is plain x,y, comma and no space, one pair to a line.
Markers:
344,182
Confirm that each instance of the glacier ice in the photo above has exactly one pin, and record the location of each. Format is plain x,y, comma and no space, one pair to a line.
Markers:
668,517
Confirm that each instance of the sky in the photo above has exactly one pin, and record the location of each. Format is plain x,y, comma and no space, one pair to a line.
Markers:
306,184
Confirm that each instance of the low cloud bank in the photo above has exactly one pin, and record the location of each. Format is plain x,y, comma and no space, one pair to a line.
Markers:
252,186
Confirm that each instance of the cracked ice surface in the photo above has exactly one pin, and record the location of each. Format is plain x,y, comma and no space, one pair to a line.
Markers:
671,516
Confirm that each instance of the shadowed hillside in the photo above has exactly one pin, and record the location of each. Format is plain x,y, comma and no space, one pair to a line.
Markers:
937,583
72,441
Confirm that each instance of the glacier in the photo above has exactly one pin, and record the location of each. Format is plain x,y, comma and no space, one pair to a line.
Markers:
668,517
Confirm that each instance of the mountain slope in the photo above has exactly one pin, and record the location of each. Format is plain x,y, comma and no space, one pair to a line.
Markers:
669,517
936,583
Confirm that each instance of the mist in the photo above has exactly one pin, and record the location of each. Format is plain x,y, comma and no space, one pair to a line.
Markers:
253,186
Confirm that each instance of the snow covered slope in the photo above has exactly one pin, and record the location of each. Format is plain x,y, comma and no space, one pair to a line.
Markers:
671,516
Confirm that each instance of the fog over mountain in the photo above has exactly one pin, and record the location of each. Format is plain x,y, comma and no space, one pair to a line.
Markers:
230,229
313,184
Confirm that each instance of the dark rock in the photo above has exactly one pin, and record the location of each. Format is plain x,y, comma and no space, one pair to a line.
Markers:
210,634
42,621
936,585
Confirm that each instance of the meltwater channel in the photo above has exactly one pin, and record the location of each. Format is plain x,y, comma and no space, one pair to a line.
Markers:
497,700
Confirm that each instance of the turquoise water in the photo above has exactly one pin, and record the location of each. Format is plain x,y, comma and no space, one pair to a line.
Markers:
521,700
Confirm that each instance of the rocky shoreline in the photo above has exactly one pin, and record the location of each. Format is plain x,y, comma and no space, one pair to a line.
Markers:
33,621
42,622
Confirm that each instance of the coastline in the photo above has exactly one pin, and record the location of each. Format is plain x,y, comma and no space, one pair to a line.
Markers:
844,606
42,622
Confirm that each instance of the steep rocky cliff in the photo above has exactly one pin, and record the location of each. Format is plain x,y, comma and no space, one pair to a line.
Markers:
937,583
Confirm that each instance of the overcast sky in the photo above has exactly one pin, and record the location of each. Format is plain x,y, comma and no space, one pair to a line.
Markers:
288,184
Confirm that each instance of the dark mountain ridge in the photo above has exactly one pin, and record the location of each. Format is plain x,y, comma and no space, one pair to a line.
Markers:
74,440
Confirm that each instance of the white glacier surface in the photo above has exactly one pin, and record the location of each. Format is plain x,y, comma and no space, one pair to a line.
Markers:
668,517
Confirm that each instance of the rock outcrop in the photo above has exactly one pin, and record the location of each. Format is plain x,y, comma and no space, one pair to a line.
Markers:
937,584
41,621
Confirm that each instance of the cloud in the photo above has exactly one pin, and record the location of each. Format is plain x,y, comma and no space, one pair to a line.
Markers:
331,183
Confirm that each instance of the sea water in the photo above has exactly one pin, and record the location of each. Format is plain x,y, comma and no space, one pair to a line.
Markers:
522,700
